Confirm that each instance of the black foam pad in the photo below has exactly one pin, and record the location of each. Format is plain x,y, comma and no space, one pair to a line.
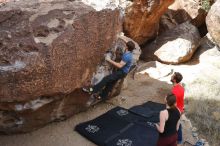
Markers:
122,127
102,128
150,110
136,135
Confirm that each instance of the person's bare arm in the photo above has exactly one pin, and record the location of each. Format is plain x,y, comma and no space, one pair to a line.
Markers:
177,125
116,64
163,118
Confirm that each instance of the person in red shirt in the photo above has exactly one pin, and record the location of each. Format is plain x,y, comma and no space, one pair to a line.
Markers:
178,91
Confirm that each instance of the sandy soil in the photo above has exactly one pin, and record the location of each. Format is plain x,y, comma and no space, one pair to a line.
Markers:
138,91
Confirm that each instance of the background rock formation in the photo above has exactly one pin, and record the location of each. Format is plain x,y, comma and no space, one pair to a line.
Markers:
47,51
181,11
174,46
141,22
213,22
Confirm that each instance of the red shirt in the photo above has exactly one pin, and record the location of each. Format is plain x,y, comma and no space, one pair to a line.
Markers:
178,91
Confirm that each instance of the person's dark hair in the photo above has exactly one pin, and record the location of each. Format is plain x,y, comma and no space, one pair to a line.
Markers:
130,45
178,77
171,100
118,54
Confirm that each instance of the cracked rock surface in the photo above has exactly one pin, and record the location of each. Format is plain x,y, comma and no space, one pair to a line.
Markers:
48,49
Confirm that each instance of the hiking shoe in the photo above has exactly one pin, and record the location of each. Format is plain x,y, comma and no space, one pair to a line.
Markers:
91,101
87,89
96,96
200,143
179,142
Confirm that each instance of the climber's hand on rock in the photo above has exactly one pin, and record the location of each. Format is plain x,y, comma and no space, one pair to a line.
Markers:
107,58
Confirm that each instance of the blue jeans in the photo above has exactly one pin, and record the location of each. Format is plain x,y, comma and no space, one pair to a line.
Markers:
180,135
107,83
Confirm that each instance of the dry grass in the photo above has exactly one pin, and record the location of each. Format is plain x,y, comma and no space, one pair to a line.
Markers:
205,115
203,108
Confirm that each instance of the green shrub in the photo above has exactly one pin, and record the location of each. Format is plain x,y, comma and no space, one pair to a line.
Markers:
206,4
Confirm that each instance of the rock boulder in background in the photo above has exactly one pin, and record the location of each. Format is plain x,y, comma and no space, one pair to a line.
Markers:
141,22
174,46
181,11
213,22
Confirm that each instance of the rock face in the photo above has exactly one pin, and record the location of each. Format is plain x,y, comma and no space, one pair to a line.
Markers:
174,46
181,11
213,22
190,6
47,51
141,20
172,18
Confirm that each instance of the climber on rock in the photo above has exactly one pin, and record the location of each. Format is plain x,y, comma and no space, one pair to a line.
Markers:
104,87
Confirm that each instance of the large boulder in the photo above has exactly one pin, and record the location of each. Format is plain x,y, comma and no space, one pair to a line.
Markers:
181,11
190,6
48,49
141,22
213,22
172,18
174,46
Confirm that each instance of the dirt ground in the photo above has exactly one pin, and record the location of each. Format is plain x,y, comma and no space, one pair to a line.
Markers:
138,90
